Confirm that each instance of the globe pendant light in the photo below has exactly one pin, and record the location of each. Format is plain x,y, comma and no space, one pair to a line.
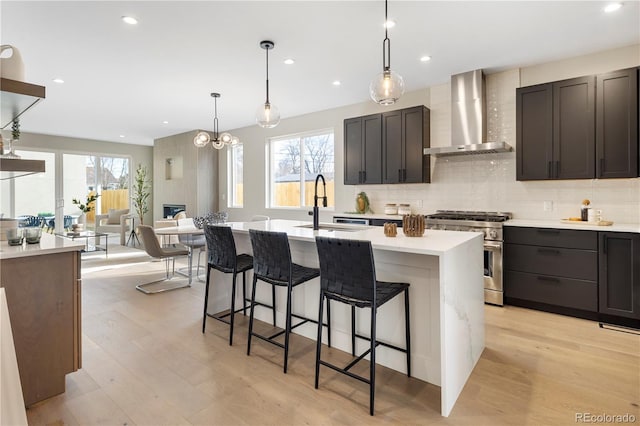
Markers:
387,87
267,115
219,140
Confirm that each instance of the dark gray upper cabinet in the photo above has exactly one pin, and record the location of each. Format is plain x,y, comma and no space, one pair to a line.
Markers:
619,276
555,130
363,150
387,147
617,124
405,135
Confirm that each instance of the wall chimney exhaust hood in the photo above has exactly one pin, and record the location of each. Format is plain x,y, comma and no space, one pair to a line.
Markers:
468,119
16,97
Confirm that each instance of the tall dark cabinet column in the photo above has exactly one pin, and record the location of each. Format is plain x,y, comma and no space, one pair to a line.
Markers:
363,150
534,132
619,278
617,124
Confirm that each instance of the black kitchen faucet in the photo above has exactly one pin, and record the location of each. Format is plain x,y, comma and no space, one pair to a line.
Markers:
315,212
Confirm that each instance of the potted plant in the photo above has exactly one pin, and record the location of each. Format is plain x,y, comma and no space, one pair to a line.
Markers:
141,192
85,207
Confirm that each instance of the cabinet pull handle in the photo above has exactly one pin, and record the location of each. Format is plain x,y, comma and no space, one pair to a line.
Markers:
548,231
360,176
550,279
364,176
399,175
549,169
548,251
557,169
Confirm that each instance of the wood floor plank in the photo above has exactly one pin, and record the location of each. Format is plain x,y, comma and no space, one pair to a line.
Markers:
147,362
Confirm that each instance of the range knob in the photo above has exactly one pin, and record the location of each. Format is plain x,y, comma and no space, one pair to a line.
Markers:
493,234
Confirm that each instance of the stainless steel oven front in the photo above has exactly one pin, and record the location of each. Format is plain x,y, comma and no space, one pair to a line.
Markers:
493,272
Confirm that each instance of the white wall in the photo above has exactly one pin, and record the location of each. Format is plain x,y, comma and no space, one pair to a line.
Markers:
485,182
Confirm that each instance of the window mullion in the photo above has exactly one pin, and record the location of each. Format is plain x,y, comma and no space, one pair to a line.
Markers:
302,172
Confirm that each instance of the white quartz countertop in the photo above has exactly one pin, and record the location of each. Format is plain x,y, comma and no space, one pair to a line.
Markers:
48,244
583,226
433,242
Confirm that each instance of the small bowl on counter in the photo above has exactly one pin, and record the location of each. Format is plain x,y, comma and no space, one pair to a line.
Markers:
32,235
390,209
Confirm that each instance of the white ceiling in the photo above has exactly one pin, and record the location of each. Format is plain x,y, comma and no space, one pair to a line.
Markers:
126,80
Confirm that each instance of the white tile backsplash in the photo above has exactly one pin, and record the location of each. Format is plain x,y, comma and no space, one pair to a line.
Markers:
488,182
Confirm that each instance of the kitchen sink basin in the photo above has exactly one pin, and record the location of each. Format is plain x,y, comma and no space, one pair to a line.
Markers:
331,227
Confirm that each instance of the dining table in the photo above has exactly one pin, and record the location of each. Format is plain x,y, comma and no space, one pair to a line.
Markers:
182,230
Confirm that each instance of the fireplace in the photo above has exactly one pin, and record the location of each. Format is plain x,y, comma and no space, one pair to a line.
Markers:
170,210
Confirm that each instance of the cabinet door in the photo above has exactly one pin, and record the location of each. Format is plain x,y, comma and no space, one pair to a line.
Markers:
393,160
415,137
619,274
617,124
353,151
534,135
574,128
372,155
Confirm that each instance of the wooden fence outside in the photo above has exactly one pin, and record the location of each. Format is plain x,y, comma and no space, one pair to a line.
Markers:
288,193
110,199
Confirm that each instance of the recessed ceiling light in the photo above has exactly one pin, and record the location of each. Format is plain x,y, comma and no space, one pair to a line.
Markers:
122,136
130,20
425,59
289,61
390,23
165,122
337,83
58,80
612,7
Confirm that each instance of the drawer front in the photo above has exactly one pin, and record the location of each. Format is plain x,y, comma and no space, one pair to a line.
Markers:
561,262
565,292
550,237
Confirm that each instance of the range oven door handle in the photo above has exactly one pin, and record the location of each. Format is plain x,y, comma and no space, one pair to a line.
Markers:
492,246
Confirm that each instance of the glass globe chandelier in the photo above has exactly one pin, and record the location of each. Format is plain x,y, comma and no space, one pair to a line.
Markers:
387,87
218,141
267,115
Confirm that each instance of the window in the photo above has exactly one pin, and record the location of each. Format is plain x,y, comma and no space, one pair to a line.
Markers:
294,163
235,189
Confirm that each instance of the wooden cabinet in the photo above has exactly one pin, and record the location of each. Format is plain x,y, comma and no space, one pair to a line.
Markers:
555,136
554,270
617,124
387,147
619,278
43,297
363,150
405,135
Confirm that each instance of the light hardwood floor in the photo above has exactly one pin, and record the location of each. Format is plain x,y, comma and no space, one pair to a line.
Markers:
146,362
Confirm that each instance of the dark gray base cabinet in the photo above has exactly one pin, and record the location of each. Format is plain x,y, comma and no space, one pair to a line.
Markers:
619,278
585,274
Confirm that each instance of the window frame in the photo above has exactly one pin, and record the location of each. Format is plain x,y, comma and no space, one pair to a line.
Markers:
270,172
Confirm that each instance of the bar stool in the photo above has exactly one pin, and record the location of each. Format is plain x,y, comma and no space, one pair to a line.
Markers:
347,275
223,257
272,264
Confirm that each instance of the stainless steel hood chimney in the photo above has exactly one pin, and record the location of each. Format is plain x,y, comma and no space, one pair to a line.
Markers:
468,119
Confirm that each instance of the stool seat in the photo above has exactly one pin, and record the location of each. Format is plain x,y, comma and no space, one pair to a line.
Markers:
385,291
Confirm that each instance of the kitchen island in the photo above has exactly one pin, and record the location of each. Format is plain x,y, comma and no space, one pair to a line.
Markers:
42,285
445,270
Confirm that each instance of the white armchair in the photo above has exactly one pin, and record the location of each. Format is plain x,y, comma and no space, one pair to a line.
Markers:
115,222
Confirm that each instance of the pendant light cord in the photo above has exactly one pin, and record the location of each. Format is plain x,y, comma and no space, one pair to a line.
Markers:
215,119
386,43
267,102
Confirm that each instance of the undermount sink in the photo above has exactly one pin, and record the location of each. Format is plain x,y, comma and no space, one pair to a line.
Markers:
331,227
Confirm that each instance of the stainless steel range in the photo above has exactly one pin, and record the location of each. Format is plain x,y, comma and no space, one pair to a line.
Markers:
490,224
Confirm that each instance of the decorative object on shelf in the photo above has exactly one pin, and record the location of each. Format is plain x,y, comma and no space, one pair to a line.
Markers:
362,203
12,66
413,225
268,115
387,87
390,229
219,140
15,137
141,192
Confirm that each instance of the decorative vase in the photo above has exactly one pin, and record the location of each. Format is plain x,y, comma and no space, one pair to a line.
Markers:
82,219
